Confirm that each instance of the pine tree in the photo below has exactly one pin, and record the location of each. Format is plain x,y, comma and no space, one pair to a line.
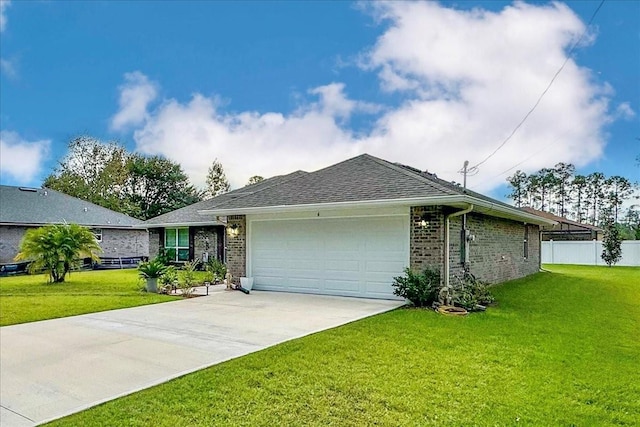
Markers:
217,182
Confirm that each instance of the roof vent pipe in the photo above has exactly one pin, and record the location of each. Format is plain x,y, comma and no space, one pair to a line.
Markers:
446,240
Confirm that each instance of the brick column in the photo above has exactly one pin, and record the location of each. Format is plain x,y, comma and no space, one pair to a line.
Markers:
426,243
237,247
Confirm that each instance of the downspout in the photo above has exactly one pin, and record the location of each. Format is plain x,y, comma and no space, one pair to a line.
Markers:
446,240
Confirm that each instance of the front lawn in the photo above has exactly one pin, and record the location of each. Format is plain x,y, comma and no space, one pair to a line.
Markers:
30,298
561,348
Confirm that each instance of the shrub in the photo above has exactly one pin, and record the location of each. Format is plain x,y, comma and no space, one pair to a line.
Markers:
217,269
151,269
419,288
167,280
188,278
470,292
612,243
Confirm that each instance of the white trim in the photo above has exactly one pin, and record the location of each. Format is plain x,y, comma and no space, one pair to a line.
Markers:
332,214
182,224
460,201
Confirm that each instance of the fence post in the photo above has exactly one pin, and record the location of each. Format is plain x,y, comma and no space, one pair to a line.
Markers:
595,252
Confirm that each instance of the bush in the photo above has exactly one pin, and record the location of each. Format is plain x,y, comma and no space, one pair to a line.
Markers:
470,292
217,269
419,288
188,278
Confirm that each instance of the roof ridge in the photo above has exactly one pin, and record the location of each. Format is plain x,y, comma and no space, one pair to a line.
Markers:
419,176
296,175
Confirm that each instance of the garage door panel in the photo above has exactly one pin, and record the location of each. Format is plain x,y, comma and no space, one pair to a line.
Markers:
343,285
348,256
383,266
305,284
342,264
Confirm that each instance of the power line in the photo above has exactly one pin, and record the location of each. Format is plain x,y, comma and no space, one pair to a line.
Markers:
544,92
517,164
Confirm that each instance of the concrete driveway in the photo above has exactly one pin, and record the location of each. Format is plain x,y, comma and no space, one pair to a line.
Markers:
57,367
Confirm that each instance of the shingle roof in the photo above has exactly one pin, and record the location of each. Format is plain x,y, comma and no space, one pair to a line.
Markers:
364,178
37,206
189,214
361,178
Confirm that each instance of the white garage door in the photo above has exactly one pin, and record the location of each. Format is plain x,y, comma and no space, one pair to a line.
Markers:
351,256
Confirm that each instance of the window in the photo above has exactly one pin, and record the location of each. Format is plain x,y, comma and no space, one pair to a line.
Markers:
97,232
525,245
176,243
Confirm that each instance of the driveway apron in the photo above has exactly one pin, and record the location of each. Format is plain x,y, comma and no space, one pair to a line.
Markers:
53,368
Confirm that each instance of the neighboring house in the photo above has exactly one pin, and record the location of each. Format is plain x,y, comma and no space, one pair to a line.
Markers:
22,208
565,229
348,229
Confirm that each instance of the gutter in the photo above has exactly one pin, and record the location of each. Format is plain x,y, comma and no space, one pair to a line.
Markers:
452,200
446,241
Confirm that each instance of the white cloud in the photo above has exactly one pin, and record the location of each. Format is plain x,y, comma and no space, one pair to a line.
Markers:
4,4
248,143
625,111
135,95
8,68
471,76
467,78
20,159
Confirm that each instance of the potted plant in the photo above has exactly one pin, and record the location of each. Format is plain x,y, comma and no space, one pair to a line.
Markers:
151,271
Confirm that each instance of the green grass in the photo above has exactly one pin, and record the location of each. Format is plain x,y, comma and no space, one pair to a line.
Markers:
562,348
31,298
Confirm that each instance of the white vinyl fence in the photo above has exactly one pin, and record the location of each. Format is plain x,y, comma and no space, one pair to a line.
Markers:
587,253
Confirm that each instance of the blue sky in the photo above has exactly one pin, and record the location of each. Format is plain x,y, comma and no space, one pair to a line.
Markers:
272,87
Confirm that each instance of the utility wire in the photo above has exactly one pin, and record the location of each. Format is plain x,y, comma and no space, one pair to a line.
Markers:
517,164
544,92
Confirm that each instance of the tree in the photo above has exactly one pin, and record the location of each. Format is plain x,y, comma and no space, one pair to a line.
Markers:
563,175
108,175
518,183
617,189
217,182
255,179
612,241
93,171
578,193
56,248
632,222
595,182
157,185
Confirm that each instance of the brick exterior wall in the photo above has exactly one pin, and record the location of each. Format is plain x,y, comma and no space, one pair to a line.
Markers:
496,255
155,243
124,243
205,240
10,238
115,242
237,247
426,243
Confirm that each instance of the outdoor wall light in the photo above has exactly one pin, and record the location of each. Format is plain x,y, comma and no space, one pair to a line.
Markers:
233,230
423,221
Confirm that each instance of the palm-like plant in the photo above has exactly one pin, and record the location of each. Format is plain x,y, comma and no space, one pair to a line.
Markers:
57,248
